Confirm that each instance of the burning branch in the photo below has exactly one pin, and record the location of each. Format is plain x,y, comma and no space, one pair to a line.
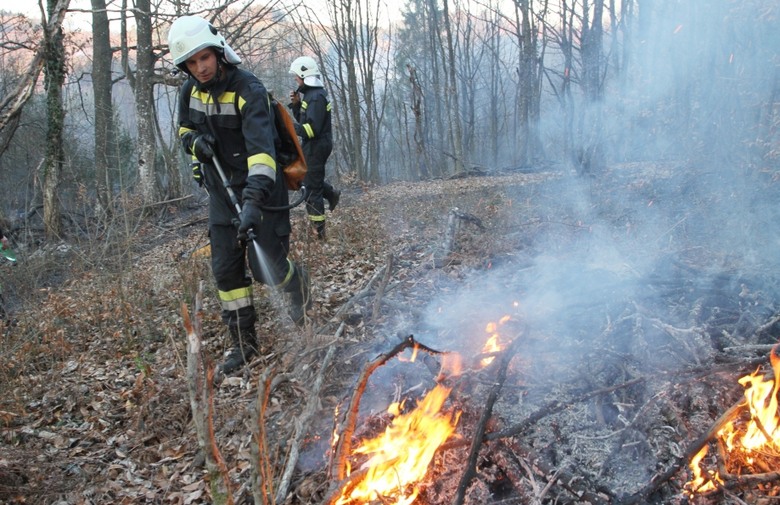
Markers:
690,452
345,486
343,448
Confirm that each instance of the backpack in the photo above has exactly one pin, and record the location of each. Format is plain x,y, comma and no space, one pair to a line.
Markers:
289,154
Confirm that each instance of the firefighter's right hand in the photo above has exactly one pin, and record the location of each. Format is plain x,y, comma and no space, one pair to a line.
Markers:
251,219
203,147
197,173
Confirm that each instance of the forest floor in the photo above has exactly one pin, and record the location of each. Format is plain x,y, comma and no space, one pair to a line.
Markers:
626,306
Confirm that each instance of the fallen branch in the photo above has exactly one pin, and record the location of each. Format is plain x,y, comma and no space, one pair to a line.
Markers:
554,407
345,486
487,413
360,294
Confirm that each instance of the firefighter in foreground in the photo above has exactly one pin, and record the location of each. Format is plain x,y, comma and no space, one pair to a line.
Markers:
225,113
312,112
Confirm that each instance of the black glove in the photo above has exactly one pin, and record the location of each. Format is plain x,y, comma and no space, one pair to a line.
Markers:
251,219
197,173
255,194
203,147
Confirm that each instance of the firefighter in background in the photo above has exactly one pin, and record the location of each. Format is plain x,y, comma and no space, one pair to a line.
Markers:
225,113
312,111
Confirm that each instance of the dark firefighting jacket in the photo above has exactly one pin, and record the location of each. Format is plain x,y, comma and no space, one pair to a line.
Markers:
236,110
313,114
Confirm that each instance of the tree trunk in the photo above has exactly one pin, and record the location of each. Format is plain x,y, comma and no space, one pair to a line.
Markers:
105,142
144,103
591,149
453,103
420,162
54,69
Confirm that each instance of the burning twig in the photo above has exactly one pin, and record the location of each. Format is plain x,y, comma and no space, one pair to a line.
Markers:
476,441
345,486
693,449
343,448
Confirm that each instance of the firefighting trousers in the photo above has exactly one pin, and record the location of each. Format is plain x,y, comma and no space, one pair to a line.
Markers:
229,260
316,153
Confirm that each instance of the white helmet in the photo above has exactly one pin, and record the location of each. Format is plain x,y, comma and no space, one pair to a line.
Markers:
190,34
304,67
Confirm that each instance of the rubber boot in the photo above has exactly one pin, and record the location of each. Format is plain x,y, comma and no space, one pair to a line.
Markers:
321,230
300,295
243,349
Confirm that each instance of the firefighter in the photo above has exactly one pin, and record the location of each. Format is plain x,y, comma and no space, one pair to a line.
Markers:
224,113
311,108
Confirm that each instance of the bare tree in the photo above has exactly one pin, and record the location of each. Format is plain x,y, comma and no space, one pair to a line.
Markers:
421,160
451,95
591,152
54,67
420,46
105,141
143,87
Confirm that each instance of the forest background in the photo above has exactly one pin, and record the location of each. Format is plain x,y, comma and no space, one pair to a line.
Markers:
436,89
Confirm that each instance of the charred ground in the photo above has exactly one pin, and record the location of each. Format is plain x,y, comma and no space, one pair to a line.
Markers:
640,297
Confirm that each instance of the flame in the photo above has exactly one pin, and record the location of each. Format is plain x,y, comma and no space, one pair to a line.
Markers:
761,396
757,436
399,458
700,484
493,343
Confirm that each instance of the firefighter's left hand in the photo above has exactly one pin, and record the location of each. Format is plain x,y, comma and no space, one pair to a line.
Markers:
251,219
